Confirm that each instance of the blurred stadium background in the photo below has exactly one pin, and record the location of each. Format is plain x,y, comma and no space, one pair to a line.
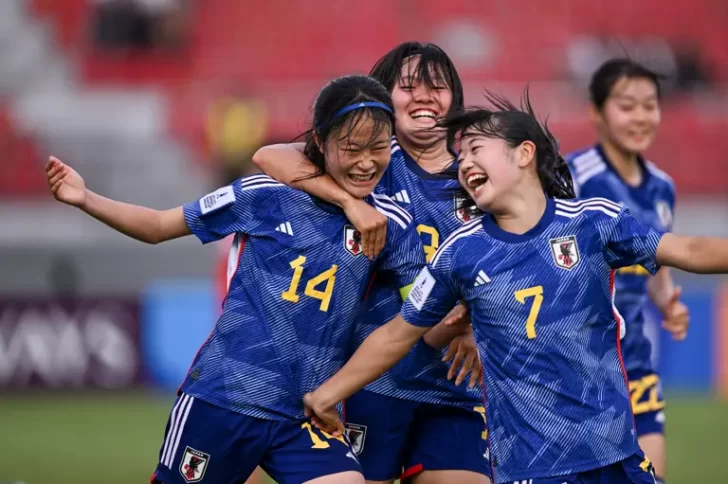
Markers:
159,101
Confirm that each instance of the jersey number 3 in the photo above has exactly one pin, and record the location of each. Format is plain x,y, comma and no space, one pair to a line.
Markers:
327,276
535,292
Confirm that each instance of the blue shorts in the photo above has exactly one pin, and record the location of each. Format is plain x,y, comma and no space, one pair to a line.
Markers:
647,402
203,441
390,435
632,470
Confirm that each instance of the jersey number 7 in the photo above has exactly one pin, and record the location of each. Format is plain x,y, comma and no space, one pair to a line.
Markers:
536,292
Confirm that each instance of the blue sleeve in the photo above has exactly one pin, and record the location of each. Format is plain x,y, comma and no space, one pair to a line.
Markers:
229,209
630,242
404,256
433,294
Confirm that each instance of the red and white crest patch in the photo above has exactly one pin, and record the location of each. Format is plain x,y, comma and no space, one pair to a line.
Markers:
565,252
352,240
194,464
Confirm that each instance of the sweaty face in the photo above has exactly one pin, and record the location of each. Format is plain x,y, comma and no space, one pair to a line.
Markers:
357,155
631,115
487,170
417,106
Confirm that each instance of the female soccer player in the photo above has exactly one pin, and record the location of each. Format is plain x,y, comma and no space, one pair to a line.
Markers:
287,323
398,421
626,113
537,276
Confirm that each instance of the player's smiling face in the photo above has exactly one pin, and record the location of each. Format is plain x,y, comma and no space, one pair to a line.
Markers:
358,155
417,106
631,115
487,169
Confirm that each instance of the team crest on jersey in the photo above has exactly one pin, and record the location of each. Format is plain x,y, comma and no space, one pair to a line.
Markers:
352,240
356,434
664,214
565,252
464,214
194,464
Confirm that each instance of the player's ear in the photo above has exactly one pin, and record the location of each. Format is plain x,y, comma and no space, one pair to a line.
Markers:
526,153
318,142
595,115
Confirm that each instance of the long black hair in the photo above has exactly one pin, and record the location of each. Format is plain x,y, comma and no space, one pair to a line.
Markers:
433,61
604,79
514,125
345,100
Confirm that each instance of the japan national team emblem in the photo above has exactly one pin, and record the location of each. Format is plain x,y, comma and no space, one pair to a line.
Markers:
464,214
356,434
194,464
565,252
352,240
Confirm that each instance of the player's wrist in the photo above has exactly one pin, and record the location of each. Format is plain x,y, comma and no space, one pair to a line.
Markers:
345,201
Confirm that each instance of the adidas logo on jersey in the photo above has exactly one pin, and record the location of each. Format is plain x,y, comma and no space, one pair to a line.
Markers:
481,279
402,197
285,228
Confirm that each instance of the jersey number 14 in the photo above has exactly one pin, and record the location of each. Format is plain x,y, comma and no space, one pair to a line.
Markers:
328,276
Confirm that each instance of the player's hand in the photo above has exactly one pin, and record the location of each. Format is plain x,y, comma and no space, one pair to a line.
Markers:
676,316
457,316
65,183
464,355
370,223
326,419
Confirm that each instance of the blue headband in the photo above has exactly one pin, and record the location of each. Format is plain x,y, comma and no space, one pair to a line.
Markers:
360,105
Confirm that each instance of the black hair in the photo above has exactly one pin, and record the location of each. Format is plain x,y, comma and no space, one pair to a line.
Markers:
514,125
604,79
433,60
328,120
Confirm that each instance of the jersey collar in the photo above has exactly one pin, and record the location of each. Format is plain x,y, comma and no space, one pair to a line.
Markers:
491,227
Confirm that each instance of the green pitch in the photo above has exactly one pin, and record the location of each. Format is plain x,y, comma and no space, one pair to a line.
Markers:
89,438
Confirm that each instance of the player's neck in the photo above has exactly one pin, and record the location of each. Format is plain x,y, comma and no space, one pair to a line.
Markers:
524,212
433,158
624,163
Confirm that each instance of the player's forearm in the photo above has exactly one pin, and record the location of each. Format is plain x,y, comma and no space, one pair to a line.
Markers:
140,223
661,288
378,353
288,165
701,255
441,334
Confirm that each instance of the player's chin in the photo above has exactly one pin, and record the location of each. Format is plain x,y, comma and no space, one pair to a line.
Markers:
358,189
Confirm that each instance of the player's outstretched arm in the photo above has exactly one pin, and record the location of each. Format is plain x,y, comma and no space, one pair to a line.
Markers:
141,223
701,255
378,353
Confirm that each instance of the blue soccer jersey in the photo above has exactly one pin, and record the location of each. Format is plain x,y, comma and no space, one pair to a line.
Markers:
652,203
430,200
288,319
547,331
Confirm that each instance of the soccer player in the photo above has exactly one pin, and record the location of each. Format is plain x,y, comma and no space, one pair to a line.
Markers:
399,420
625,110
537,275
287,323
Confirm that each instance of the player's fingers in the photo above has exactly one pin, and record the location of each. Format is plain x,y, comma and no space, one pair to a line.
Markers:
381,238
53,171
56,178
367,243
466,368
456,364
56,187
451,350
